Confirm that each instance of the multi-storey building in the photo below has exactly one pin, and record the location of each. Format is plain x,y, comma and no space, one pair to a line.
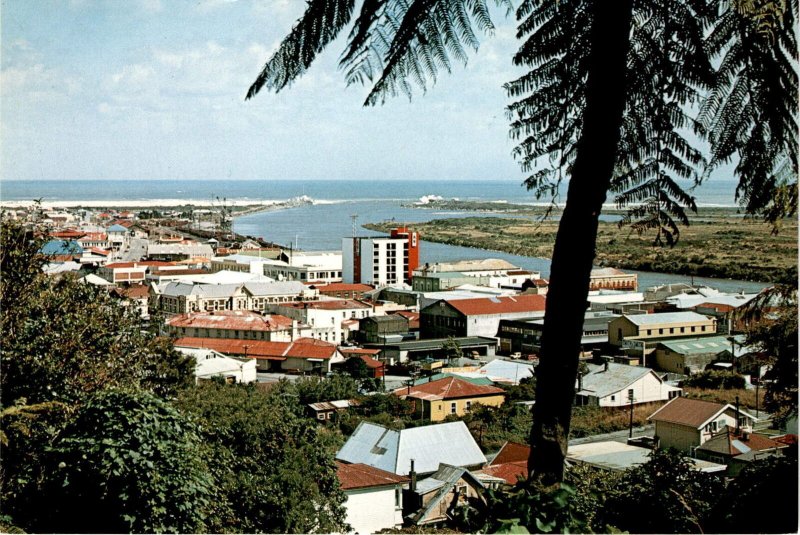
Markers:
382,260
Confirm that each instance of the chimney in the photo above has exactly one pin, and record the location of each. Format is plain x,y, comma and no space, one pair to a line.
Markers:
605,365
413,475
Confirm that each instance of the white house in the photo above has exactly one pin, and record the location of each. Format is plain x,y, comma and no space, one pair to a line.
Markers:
612,385
374,497
212,363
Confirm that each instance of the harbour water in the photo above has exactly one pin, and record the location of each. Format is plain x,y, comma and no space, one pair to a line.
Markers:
323,224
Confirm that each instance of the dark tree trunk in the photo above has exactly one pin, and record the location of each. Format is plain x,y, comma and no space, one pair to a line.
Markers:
574,250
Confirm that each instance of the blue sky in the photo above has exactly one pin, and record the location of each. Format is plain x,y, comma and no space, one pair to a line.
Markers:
154,89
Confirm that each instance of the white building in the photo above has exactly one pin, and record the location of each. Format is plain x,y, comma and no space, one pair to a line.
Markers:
183,297
374,497
381,260
212,363
327,319
614,385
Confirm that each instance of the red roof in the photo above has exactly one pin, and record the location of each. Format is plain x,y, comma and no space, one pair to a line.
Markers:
144,263
358,351
685,411
136,291
729,440
93,236
786,439
449,388
232,320
359,476
512,452
97,250
499,305
343,287
719,307
68,233
333,304
259,349
510,472
412,317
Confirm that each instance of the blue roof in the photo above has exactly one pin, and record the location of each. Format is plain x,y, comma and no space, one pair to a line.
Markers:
61,247
117,228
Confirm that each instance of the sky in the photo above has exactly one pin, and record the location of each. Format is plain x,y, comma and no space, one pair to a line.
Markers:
154,89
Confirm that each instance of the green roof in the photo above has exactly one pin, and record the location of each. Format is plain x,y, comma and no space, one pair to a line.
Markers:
698,346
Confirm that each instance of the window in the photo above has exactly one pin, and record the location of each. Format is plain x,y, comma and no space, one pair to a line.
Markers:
453,408
320,416
468,405
671,330
692,328
613,398
398,498
661,331
630,394
703,328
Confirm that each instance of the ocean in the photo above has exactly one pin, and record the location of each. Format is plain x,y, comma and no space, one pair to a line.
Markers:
322,225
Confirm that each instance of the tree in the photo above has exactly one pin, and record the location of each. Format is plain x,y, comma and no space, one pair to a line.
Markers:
275,469
608,100
64,340
452,350
665,495
772,327
128,462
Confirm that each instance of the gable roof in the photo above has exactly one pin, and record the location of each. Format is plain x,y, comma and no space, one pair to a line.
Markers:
694,413
511,452
245,320
728,442
443,480
61,248
429,445
360,476
482,306
665,317
600,382
309,348
448,388
117,228
697,346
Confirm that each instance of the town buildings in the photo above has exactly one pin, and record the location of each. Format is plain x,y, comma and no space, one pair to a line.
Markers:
380,261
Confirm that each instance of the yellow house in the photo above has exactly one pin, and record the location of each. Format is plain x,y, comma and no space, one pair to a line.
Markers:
646,327
439,399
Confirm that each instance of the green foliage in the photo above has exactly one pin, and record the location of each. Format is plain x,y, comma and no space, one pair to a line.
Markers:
64,340
716,380
525,508
754,490
452,350
307,390
274,468
592,487
773,329
665,495
128,462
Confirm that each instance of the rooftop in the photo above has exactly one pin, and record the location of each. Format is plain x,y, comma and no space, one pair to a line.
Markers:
666,317
304,348
601,382
359,476
449,388
690,412
232,319
498,305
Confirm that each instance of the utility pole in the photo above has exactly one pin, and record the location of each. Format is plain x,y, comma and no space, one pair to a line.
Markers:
630,425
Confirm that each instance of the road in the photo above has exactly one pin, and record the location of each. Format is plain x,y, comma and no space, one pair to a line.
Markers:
137,249
617,436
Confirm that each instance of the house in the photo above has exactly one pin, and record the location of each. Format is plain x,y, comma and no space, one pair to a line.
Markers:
434,499
123,272
510,464
617,456
450,396
429,445
412,317
369,357
241,324
376,329
501,371
324,317
117,236
305,266
323,411
737,448
685,424
641,332
304,355
210,363
476,317
61,250
136,296
692,355
374,497
615,385
342,290
612,279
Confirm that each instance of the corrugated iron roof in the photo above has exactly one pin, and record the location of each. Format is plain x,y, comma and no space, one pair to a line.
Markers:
600,382
359,476
512,452
728,442
392,450
300,348
684,411
449,388
665,318
498,305
244,320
